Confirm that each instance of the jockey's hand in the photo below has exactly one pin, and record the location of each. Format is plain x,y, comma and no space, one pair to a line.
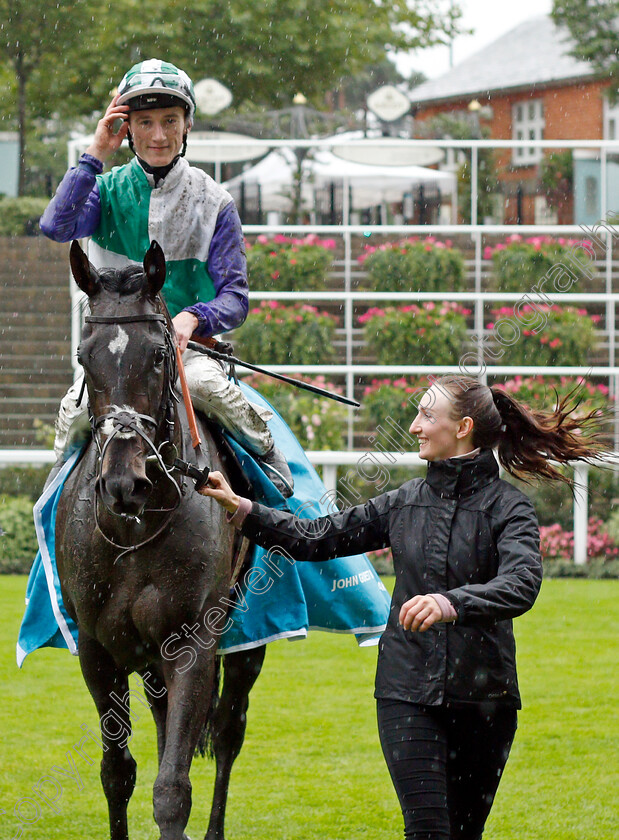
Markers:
219,489
420,613
105,142
185,324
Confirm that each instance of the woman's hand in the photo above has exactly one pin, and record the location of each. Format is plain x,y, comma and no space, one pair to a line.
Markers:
105,142
185,324
219,489
420,613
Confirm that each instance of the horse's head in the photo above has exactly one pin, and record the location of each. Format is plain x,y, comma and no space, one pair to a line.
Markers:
128,358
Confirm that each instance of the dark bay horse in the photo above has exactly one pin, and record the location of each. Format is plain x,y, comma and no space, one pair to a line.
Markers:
144,561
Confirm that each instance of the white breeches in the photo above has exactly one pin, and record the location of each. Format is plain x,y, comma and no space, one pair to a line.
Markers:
211,392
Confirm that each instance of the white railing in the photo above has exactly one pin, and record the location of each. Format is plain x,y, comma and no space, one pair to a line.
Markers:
607,265
329,461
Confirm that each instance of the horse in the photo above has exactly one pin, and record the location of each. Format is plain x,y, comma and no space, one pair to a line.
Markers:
145,562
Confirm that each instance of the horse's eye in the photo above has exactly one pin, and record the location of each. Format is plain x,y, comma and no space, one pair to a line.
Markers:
160,355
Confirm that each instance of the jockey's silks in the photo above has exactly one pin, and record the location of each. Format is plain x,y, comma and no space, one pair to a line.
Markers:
180,214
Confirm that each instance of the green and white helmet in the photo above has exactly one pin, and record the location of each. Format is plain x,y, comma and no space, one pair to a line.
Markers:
156,84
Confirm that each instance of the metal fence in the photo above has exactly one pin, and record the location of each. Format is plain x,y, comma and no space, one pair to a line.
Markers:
347,269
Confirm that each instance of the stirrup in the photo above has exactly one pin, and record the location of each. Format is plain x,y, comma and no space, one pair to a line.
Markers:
280,475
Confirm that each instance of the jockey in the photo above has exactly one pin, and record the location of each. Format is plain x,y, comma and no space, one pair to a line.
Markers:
158,195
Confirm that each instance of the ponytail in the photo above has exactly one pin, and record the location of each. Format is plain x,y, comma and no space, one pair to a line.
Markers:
527,440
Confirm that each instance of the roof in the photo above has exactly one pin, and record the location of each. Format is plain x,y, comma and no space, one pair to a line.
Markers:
533,53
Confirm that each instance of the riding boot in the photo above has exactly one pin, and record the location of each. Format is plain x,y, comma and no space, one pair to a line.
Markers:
277,469
53,473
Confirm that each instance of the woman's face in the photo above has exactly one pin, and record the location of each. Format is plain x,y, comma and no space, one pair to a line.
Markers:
158,134
439,435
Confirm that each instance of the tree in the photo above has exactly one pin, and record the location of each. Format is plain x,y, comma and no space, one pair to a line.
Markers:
267,52
35,34
594,27
64,58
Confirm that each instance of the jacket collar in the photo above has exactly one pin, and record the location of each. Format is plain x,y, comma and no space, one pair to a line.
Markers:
173,176
457,477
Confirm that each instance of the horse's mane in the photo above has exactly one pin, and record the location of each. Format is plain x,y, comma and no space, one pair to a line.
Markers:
125,281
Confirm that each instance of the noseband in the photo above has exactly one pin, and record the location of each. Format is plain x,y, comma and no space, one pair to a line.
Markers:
123,421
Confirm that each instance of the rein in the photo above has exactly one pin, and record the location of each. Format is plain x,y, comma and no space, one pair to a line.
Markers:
124,421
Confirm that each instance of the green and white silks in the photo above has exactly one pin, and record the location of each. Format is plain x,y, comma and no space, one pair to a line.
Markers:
180,214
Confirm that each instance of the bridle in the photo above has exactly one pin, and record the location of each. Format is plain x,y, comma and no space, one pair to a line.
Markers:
123,421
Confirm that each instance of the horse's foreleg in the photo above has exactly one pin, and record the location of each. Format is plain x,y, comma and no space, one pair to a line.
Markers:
157,694
228,727
188,698
108,686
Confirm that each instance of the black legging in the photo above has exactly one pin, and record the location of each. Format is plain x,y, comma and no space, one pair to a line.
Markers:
445,763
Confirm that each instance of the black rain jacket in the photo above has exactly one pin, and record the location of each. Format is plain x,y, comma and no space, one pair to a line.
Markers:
462,532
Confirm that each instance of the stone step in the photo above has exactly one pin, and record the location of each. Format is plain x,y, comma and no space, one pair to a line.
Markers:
30,379
34,364
33,299
23,391
36,347
21,438
25,320
16,331
13,407
49,278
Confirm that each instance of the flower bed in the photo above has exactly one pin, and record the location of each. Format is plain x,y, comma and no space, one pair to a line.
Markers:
519,264
414,265
394,398
562,335
541,392
557,544
286,264
280,335
317,422
433,333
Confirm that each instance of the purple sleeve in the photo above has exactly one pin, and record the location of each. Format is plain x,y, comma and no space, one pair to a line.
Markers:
227,267
75,210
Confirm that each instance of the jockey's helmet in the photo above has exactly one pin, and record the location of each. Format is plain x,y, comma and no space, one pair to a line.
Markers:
157,84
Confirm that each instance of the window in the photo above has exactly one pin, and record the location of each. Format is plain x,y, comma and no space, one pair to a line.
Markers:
527,124
611,121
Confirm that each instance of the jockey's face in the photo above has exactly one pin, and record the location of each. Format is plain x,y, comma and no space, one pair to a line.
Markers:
158,134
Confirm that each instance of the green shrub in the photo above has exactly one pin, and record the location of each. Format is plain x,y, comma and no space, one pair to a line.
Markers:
280,335
20,216
414,265
395,398
519,264
568,336
23,481
433,333
317,422
285,264
18,545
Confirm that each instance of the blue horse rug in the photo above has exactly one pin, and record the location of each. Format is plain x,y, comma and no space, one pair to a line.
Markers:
278,599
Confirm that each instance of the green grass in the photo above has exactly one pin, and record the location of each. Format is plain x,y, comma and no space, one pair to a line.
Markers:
311,767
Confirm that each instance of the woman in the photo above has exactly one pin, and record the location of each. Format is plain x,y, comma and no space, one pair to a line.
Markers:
465,546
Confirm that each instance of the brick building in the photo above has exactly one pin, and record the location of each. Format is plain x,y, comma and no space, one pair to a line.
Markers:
528,87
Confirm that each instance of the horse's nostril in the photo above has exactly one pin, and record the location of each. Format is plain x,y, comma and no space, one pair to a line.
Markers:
125,494
143,486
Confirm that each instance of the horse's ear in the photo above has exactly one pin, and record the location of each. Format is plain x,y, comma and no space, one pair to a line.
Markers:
85,274
154,267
